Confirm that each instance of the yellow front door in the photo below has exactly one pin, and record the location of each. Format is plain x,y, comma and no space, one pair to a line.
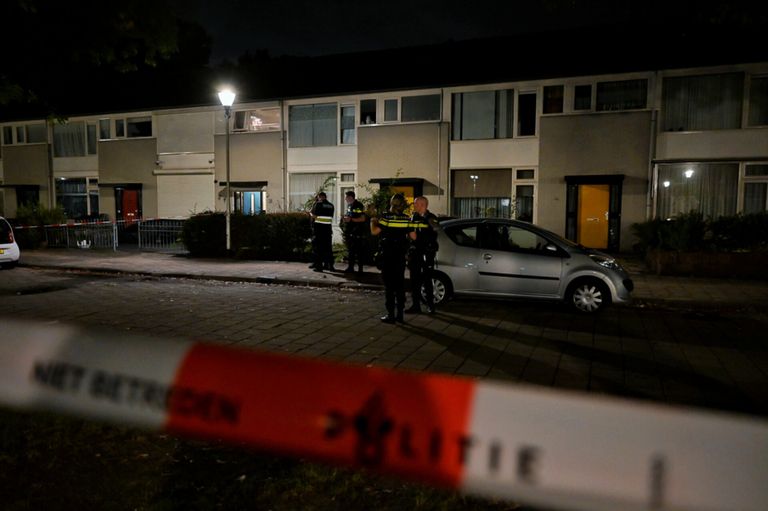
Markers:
593,215
407,191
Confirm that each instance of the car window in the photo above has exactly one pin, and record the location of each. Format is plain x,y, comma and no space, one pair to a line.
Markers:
463,235
5,231
512,239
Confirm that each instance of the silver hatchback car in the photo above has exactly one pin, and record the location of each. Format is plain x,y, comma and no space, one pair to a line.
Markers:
510,258
9,250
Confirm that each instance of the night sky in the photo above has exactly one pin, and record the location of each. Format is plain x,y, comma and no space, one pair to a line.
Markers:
315,27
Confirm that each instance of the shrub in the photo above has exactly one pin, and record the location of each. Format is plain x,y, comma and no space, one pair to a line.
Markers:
691,232
37,215
276,236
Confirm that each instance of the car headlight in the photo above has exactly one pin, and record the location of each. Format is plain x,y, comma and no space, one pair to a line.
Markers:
607,262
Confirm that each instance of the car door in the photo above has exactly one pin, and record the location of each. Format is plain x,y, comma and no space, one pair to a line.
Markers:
517,261
458,256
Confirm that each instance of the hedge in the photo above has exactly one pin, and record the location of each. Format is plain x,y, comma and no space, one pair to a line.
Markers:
274,236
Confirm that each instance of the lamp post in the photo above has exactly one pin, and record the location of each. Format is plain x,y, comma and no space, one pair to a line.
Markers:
227,97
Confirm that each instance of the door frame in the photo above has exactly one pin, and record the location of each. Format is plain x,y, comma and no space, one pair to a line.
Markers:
615,182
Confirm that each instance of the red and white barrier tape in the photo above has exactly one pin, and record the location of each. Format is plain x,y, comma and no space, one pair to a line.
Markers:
542,447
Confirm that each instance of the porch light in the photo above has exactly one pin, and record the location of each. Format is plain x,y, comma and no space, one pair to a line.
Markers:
666,184
689,173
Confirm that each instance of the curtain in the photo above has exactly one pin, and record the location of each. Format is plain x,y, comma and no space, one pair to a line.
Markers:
491,207
304,186
300,125
477,115
710,102
69,139
709,188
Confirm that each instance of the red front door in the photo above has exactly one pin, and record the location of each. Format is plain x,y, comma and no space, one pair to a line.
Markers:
130,206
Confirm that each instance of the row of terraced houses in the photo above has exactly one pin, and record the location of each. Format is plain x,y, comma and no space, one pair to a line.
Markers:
583,156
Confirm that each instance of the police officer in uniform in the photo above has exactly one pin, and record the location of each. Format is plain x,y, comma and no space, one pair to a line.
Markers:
355,230
322,232
393,229
421,255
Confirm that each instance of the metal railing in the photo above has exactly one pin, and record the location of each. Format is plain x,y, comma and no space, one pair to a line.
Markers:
155,234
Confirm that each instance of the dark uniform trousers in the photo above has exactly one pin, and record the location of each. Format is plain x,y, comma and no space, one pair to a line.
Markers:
322,245
393,245
420,266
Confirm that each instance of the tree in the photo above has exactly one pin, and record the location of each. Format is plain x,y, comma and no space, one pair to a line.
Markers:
54,42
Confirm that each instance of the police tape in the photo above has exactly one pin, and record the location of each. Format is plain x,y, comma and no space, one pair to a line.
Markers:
541,447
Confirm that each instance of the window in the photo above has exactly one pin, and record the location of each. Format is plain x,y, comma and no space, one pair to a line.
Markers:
260,119
755,188
7,135
483,115
510,238
482,193
390,110
27,195
347,177
37,133
347,124
582,97
368,111
553,99
622,95
758,101
525,174
104,131
71,195
464,236
139,127
313,125
91,133
709,102
709,188
119,128
20,139
526,114
524,202
420,108
69,139
304,186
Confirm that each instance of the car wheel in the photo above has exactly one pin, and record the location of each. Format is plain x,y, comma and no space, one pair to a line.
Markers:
588,295
442,289
8,266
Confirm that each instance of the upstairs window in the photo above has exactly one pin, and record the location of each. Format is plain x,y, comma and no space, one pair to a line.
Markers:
37,133
758,101
391,110
622,95
139,127
420,108
709,102
7,135
483,115
368,111
582,97
347,124
69,139
526,114
313,125
260,119
553,99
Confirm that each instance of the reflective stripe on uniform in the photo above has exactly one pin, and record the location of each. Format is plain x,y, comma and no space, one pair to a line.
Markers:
324,219
395,223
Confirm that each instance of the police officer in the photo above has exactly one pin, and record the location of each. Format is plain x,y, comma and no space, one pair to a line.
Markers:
421,255
322,232
355,231
393,229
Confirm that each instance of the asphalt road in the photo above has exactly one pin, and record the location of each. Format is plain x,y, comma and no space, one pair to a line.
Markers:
687,357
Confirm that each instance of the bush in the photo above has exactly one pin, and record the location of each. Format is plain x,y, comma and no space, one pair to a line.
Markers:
691,232
277,236
37,215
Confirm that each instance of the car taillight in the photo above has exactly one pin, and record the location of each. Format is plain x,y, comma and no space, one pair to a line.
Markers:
10,236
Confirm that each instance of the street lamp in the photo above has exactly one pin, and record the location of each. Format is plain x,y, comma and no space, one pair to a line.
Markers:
474,179
227,97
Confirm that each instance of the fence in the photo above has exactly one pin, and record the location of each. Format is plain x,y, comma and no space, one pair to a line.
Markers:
158,234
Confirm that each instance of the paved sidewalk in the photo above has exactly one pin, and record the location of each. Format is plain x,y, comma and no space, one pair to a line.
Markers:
650,289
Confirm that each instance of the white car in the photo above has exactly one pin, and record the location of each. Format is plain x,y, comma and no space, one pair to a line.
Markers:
9,250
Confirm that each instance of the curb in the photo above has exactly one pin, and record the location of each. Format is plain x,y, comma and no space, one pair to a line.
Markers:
220,278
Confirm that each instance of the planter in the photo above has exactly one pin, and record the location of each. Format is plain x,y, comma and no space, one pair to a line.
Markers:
709,264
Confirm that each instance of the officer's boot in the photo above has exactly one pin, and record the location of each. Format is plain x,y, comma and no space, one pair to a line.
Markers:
400,315
389,318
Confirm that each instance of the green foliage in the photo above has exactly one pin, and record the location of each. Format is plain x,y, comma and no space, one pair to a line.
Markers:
37,215
692,232
275,236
